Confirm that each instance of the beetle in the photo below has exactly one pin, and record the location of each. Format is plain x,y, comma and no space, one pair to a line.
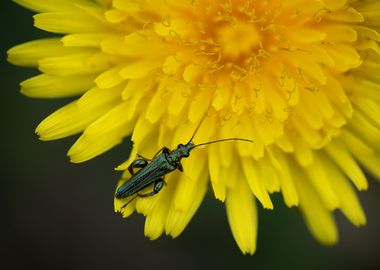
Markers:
153,170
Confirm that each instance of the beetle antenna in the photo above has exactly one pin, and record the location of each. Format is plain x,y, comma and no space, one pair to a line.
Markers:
223,140
199,125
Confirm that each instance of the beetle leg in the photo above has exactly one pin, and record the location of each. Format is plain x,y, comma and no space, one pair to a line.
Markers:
179,166
158,185
141,157
164,150
128,202
137,164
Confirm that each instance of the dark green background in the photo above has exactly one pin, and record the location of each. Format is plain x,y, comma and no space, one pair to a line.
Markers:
59,215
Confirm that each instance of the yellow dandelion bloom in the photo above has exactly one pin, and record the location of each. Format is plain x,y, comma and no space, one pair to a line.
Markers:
298,77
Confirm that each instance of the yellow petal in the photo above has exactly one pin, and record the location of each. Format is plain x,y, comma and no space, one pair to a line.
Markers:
76,116
156,220
125,206
268,175
171,65
312,69
68,22
340,33
334,4
221,98
87,62
199,105
84,39
106,132
219,189
226,150
66,121
50,86
228,174
318,219
214,164
346,15
305,35
156,107
286,178
245,130
109,78
309,134
320,179
285,144
349,203
303,153
56,5
179,98
115,16
130,46
242,216
145,205
141,130
138,69
192,73
367,157
188,196
129,6
256,185
370,108
193,178
345,57
366,129
342,157
30,53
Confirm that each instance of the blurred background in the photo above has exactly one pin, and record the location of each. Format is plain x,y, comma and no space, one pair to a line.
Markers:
58,215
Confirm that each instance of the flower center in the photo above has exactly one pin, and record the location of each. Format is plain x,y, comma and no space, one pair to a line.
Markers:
228,40
272,61
238,39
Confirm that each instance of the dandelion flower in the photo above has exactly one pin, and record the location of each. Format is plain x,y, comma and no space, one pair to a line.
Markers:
299,77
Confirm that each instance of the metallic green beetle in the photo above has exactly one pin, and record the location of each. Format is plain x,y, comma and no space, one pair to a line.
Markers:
153,170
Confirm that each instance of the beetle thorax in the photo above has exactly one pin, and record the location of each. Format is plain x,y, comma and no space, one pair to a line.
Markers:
180,152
